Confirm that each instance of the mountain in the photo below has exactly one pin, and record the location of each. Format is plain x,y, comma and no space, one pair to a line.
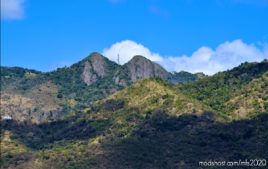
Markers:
140,68
149,124
30,95
114,118
182,76
225,92
98,114
95,67
250,100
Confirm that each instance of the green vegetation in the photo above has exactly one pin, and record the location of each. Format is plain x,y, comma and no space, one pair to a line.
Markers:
129,140
72,86
251,99
19,78
41,97
182,77
49,96
217,90
149,124
107,121
10,148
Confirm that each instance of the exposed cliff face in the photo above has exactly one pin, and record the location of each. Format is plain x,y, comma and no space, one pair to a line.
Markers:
96,67
29,95
98,64
149,122
93,68
88,76
140,68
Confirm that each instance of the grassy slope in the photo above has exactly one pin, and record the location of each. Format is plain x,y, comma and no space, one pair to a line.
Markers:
147,125
64,89
33,104
251,99
33,95
151,125
108,121
217,90
71,85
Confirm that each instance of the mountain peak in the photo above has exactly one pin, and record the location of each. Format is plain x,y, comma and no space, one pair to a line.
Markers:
94,66
139,57
141,68
95,56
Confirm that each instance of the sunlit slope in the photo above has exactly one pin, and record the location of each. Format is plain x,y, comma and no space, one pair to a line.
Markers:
147,125
251,99
218,90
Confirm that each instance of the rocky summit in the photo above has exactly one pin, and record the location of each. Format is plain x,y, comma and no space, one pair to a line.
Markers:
93,68
140,68
97,114
29,95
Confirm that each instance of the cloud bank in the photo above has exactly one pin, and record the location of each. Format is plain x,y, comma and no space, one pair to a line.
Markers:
127,49
210,61
12,9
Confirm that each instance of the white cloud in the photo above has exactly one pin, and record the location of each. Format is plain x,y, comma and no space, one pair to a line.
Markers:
12,9
205,59
127,49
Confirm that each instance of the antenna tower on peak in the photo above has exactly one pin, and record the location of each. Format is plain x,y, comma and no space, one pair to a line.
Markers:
118,58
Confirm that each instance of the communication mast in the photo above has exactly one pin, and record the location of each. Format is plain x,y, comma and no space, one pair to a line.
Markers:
118,55
118,58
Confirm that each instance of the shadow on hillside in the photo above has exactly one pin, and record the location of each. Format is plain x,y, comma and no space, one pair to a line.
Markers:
160,142
183,142
39,136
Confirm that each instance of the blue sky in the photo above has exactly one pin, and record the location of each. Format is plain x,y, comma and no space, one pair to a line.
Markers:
46,34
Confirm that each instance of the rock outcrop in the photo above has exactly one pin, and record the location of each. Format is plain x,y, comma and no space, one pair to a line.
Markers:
93,68
140,68
29,95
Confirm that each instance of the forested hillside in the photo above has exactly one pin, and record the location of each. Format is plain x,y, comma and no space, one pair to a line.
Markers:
223,90
147,125
30,95
88,116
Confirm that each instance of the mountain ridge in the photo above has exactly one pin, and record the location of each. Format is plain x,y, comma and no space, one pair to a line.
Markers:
95,77
217,90
151,123
72,88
